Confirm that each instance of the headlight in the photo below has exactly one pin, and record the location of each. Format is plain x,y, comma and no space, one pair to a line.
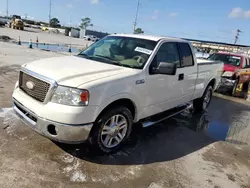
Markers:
227,74
71,96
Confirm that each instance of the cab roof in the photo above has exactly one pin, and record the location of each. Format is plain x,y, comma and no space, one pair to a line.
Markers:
150,37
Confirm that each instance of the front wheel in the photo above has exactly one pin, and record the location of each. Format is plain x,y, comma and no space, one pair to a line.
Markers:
245,89
201,104
111,130
234,90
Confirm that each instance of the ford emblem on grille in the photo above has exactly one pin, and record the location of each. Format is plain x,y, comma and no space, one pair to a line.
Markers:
30,85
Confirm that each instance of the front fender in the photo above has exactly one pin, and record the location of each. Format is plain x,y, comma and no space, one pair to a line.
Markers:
116,97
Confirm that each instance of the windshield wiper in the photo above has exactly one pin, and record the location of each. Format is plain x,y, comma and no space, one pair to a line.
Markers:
110,59
118,62
84,55
106,57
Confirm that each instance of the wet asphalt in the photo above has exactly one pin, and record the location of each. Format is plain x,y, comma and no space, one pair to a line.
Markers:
223,121
29,159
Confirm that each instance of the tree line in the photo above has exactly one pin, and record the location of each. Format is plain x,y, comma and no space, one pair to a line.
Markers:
85,23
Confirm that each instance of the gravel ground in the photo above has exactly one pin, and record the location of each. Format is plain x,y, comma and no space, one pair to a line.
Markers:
11,54
176,153
43,37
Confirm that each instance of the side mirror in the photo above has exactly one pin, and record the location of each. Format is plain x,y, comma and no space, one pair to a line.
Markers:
166,68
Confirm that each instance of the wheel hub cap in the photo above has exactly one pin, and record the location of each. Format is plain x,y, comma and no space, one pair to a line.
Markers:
114,131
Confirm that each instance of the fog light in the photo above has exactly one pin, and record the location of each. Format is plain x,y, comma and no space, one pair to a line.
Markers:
52,130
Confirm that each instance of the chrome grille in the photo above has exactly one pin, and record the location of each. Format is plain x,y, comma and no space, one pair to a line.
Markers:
40,89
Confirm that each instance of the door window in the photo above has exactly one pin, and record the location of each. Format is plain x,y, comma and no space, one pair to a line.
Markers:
168,52
186,55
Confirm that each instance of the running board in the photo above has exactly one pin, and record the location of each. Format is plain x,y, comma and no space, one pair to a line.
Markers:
165,115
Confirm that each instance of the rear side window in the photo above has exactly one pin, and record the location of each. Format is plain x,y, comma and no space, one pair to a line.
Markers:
186,55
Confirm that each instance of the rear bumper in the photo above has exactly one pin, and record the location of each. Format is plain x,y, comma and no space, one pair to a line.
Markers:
53,130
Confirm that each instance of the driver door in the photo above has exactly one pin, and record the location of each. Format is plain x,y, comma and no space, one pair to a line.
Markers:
163,90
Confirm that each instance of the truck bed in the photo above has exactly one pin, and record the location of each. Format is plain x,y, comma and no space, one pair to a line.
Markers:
207,62
206,70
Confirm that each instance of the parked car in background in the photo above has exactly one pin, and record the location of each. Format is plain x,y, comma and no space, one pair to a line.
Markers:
202,55
102,92
236,72
2,23
44,28
91,38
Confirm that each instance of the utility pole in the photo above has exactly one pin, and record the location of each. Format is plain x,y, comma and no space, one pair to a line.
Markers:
237,36
49,11
7,8
136,15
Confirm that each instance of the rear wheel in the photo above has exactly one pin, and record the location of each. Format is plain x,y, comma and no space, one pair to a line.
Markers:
201,104
111,130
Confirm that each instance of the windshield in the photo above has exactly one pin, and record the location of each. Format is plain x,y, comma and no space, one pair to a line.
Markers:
226,59
120,51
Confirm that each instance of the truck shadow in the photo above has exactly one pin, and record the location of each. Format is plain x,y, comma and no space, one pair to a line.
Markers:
171,139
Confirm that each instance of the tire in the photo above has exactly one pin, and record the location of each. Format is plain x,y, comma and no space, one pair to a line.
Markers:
105,142
201,104
245,89
233,92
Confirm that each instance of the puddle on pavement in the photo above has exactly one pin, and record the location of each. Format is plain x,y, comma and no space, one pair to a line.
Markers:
200,123
52,47
217,129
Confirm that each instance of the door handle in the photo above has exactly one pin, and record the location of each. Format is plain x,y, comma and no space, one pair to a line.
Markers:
181,77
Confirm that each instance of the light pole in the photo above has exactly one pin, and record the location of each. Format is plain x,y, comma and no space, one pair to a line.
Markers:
237,36
136,15
7,8
49,10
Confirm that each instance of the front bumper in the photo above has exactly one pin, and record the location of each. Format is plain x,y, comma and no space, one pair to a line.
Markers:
226,83
19,25
53,130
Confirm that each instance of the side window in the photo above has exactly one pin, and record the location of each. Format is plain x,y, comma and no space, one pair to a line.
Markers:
168,52
186,55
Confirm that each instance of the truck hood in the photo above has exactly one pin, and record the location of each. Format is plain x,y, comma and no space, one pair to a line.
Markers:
230,68
74,71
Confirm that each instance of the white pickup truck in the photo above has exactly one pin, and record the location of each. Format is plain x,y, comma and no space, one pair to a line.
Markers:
99,94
